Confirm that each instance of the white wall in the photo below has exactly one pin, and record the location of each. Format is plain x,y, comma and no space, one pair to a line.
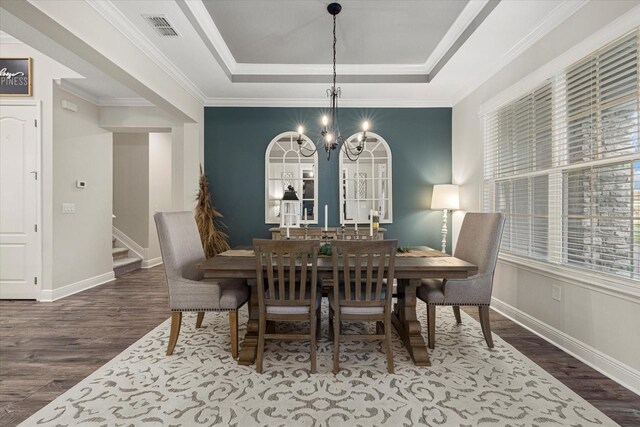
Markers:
160,194
131,186
142,179
598,322
45,72
81,151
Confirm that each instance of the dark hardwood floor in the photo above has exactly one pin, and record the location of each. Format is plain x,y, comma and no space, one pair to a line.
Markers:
47,348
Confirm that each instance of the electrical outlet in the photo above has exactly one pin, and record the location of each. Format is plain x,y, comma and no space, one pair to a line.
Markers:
556,293
68,208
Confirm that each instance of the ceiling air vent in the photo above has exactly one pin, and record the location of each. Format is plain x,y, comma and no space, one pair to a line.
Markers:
161,24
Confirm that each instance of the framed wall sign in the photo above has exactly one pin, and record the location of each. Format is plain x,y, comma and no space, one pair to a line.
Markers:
15,76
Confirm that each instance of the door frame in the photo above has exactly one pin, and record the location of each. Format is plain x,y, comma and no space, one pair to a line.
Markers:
38,114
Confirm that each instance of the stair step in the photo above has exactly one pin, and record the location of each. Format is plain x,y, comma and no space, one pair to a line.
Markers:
119,253
126,265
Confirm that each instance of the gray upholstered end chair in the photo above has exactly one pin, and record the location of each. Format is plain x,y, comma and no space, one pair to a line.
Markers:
478,243
188,290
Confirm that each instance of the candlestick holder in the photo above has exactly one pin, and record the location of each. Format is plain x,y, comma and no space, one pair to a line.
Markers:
325,237
306,235
342,232
355,234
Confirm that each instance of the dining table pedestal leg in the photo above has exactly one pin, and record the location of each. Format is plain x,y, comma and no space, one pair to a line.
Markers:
406,322
247,354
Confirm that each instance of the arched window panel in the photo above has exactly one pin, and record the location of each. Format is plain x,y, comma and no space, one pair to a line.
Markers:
285,166
365,182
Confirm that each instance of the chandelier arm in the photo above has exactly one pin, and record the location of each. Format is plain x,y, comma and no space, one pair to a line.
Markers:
311,153
345,150
355,153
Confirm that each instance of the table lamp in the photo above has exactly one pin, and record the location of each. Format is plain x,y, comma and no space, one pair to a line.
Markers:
445,197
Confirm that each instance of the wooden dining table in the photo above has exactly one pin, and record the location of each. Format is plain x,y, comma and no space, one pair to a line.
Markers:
411,267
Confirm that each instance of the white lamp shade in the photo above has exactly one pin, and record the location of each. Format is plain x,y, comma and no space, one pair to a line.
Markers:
445,196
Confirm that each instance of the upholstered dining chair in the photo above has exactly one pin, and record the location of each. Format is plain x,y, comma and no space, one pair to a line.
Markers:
360,291
287,286
188,290
478,243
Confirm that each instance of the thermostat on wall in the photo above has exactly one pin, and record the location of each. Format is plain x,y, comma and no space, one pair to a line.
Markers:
81,184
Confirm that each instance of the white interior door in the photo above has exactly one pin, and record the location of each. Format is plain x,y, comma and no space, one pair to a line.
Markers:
19,249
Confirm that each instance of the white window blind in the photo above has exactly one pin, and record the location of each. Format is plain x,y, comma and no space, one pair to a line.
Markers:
562,162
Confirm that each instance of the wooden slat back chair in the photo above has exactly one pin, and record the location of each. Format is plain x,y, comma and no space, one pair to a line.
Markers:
287,286
360,293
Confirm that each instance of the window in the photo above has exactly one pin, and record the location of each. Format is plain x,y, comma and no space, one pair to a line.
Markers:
285,166
366,181
562,163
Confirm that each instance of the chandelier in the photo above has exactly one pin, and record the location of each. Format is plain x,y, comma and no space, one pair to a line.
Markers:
330,137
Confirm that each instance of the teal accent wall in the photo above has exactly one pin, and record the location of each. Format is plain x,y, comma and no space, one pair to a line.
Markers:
236,139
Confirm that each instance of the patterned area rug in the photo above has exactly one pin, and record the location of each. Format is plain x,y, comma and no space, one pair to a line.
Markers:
200,384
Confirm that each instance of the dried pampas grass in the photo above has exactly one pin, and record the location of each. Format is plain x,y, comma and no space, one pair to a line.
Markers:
214,240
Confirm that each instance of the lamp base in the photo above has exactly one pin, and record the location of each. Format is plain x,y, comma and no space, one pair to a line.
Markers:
444,230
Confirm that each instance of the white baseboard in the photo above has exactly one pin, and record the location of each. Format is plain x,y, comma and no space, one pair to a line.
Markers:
607,365
55,294
129,243
152,262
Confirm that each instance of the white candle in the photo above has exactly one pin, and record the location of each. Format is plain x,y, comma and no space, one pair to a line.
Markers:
356,224
370,223
305,216
326,218
288,231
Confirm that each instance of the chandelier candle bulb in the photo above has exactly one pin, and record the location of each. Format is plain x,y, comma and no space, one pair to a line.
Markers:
326,216
305,217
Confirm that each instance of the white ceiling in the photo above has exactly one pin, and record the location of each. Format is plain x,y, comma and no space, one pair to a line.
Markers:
270,53
285,32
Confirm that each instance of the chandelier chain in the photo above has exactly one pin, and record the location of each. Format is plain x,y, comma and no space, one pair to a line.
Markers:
334,52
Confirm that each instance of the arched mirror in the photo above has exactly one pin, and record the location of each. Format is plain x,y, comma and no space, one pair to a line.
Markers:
365,182
285,166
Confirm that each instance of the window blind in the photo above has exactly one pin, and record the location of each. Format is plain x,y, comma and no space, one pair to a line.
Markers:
562,162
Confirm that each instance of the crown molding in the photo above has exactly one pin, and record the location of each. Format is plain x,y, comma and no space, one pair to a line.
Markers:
197,13
322,102
73,89
327,69
119,20
554,18
124,102
617,28
462,22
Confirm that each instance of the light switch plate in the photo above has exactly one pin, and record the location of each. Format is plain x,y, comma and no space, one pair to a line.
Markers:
556,293
68,208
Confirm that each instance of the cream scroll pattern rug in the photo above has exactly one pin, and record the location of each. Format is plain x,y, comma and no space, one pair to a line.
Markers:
467,385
